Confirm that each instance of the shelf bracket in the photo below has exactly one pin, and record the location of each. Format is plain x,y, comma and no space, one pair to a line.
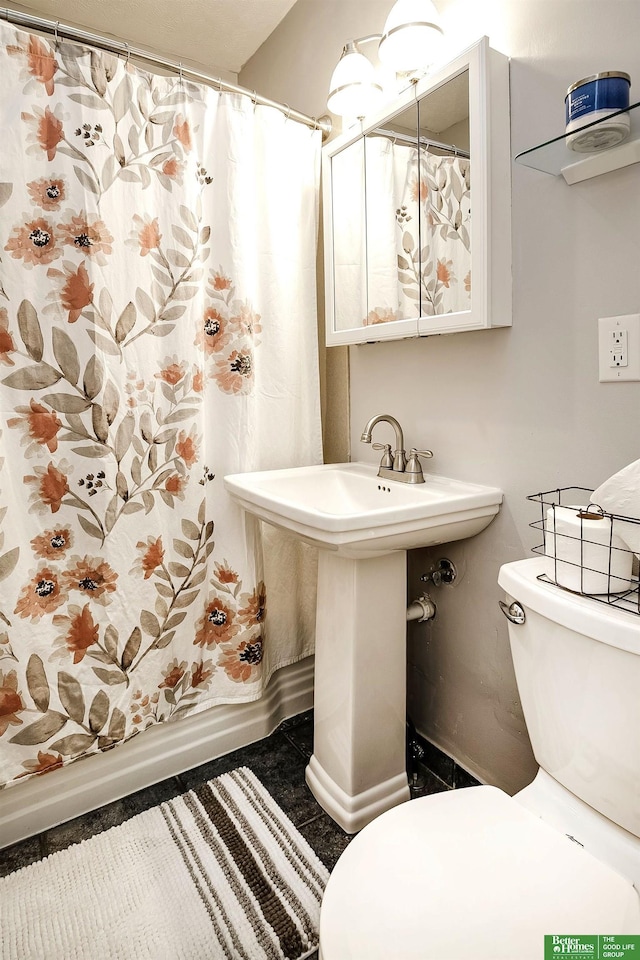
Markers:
607,160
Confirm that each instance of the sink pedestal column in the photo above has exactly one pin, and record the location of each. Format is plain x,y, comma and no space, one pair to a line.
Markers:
358,767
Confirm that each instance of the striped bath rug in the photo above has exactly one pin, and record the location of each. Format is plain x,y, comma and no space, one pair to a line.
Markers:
219,873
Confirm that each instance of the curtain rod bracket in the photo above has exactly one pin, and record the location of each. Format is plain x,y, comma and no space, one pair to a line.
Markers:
324,123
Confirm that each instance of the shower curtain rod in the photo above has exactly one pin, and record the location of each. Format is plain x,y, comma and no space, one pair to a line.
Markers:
450,147
122,47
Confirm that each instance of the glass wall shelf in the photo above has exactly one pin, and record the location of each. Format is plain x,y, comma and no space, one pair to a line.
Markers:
556,158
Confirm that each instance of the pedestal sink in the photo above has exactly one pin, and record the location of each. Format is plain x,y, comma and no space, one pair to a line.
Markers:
363,526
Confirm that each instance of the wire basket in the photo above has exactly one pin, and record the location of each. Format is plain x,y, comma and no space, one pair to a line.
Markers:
586,548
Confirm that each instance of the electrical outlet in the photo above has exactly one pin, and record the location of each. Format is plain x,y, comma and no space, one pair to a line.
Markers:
619,348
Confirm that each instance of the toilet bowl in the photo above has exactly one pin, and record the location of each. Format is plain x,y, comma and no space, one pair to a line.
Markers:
476,873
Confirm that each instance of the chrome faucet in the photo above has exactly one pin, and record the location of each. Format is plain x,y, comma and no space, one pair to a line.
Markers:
396,466
399,461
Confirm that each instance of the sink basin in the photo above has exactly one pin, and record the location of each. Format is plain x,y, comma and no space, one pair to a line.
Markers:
347,508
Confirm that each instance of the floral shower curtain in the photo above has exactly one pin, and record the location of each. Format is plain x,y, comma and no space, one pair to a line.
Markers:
419,231
157,330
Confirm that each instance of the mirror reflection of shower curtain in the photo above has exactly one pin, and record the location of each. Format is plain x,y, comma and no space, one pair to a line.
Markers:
418,232
157,331
349,236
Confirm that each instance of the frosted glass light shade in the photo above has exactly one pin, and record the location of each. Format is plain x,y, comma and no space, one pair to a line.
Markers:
353,91
412,36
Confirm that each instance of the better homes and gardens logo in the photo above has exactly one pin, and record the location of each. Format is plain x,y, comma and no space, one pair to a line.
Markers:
592,948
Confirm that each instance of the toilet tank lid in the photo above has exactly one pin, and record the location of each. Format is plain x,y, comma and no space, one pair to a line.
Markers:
592,618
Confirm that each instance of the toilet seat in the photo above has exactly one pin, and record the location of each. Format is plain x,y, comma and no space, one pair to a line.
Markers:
469,873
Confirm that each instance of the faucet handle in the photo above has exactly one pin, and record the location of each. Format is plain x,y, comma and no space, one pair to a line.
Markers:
387,459
413,463
413,453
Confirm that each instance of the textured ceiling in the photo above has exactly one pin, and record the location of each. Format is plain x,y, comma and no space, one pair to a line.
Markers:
217,35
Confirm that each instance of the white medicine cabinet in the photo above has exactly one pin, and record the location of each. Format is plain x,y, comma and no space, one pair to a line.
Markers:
417,209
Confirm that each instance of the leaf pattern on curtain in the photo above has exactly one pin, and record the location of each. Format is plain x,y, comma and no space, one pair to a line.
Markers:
130,379
430,197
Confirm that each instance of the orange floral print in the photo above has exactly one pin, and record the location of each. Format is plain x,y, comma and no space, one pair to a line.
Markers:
52,544
187,447
51,485
234,373
467,282
197,382
176,485
225,574
140,388
135,381
90,237
173,168
216,625
172,373
40,61
47,130
254,610
245,320
76,292
445,273
11,702
241,664
173,674
41,426
48,193
33,242
219,281
93,577
380,315
214,333
148,234
143,705
79,631
151,556
43,594
44,764
182,132
419,190
201,674
7,345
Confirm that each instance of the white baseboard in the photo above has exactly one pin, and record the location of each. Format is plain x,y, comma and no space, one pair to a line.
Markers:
159,752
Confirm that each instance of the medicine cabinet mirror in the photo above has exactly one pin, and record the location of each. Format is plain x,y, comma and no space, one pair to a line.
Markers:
416,205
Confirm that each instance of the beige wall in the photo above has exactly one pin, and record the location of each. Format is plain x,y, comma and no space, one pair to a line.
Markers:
522,407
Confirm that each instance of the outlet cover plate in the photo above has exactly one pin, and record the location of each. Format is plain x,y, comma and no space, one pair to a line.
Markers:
607,327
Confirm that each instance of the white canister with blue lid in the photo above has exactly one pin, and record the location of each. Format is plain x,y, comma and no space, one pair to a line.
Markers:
598,97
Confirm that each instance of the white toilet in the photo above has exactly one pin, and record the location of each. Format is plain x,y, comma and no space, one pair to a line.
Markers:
477,873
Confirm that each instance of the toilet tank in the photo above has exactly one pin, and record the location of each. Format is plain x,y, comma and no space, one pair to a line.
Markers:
577,665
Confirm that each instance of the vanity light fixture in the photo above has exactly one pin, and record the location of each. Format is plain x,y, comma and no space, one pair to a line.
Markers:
410,42
412,36
353,90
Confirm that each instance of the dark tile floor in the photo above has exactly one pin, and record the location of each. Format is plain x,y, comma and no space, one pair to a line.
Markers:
278,761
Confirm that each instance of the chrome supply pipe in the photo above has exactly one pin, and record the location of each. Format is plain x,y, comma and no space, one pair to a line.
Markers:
421,609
